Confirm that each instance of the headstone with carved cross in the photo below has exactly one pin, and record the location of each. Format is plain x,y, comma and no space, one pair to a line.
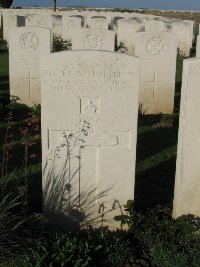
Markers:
27,45
89,129
157,52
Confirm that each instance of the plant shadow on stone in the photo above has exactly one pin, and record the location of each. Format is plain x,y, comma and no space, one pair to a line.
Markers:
67,201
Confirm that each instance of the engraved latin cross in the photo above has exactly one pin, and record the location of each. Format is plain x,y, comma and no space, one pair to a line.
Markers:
155,83
29,79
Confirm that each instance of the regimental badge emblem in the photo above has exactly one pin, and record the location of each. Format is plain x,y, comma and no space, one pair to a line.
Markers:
29,41
156,46
93,41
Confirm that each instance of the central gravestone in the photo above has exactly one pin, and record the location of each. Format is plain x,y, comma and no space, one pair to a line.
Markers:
89,129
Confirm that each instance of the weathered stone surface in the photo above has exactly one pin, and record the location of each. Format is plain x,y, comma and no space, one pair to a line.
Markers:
155,26
39,20
157,53
126,30
183,32
187,182
93,39
198,46
57,25
98,23
70,26
89,152
10,22
27,44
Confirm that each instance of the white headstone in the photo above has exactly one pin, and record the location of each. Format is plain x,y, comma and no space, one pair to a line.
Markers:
57,25
126,30
70,25
93,39
155,26
183,32
198,46
98,23
27,44
39,20
89,129
157,53
187,182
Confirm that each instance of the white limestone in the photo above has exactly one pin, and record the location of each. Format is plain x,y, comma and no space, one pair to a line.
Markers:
198,46
89,129
157,53
39,20
187,182
126,30
98,23
26,46
93,39
183,32
70,26
155,26
10,22
57,25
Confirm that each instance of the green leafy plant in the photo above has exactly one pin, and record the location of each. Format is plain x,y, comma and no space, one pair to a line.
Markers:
59,44
121,47
62,250
125,218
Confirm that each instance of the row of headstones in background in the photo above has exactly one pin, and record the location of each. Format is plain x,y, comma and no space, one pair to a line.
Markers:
187,182
157,53
127,28
61,24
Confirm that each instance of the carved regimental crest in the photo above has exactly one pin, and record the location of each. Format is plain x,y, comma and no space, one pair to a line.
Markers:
93,41
156,46
29,41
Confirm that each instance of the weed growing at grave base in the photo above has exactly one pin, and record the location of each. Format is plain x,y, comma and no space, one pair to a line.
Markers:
120,46
154,239
59,44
